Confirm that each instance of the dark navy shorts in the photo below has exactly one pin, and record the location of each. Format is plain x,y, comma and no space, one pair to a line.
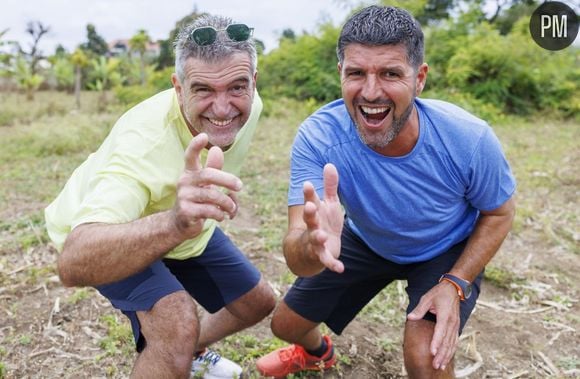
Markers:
335,299
214,279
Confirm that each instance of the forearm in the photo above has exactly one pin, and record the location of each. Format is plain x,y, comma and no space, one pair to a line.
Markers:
298,253
486,239
96,254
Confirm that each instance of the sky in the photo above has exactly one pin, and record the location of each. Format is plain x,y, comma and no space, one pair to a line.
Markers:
117,19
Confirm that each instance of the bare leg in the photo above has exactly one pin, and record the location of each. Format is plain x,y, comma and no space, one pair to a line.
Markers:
171,329
293,328
418,358
246,311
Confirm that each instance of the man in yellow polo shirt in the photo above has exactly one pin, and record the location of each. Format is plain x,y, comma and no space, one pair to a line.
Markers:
138,219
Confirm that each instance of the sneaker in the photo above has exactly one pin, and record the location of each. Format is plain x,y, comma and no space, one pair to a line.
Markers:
210,365
294,358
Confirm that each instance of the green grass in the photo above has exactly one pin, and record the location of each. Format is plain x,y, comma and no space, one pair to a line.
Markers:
544,156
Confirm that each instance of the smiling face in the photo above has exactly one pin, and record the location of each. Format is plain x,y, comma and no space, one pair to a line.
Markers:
378,88
216,98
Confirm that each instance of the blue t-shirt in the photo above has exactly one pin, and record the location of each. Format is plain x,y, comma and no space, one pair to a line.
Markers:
413,207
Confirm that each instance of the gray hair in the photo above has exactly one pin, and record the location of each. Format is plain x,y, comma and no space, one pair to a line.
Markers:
377,26
223,47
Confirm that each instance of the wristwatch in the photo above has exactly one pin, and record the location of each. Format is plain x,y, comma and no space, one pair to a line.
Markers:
462,286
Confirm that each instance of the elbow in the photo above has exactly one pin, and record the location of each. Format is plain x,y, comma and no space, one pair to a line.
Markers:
65,271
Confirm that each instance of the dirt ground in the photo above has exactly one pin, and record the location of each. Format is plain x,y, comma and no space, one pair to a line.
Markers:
529,330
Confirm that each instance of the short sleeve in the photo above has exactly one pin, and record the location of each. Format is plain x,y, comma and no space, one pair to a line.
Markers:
306,164
491,182
113,198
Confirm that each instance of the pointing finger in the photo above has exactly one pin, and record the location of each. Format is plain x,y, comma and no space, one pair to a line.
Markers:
192,159
330,182
310,194
215,158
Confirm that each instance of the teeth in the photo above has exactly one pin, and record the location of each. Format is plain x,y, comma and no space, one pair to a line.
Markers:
369,110
220,122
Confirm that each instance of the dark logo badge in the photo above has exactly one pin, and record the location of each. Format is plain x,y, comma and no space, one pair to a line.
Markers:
554,25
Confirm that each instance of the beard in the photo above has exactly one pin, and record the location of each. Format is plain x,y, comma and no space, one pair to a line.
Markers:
383,138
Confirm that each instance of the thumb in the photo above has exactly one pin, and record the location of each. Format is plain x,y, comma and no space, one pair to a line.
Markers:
419,311
215,158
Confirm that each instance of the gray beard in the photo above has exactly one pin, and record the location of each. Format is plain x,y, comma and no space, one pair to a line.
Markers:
382,140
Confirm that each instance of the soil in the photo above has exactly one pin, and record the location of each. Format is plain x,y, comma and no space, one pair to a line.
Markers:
526,331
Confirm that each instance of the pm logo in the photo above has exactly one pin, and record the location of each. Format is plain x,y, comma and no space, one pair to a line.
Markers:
554,25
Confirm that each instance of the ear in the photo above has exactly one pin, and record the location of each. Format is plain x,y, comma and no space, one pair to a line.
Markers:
255,79
178,87
421,78
339,67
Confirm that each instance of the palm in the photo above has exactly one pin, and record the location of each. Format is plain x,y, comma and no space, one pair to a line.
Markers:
331,218
324,220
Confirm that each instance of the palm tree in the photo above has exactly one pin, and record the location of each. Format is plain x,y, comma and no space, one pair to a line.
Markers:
138,43
79,60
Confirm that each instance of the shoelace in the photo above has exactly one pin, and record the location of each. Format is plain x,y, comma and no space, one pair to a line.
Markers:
293,355
209,356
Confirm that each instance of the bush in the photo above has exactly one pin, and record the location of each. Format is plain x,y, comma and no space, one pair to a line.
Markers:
303,68
132,95
527,80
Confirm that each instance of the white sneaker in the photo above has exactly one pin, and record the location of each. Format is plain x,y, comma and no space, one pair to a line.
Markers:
210,365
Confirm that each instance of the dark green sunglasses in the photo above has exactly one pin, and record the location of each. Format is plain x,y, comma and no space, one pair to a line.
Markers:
206,35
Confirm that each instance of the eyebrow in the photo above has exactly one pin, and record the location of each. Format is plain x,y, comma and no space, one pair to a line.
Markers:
197,84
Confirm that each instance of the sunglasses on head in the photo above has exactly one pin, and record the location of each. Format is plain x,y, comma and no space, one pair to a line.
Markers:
206,35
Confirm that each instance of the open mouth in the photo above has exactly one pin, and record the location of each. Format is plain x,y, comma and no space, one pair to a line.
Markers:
220,123
374,115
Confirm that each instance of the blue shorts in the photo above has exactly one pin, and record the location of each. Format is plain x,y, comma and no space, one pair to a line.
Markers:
214,279
335,299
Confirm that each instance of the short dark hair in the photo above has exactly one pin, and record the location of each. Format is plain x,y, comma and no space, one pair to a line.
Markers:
377,26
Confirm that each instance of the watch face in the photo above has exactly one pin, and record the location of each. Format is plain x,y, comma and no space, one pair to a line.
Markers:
467,291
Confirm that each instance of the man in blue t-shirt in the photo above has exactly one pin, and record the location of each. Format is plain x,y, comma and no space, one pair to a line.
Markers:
385,186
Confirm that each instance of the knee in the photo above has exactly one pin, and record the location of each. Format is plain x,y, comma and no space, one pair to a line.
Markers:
266,306
261,301
418,361
172,328
280,325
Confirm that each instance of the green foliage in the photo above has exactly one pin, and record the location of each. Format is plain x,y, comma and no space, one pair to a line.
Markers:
63,71
166,56
469,63
132,95
158,81
303,68
501,277
95,45
161,80
119,336
80,294
425,11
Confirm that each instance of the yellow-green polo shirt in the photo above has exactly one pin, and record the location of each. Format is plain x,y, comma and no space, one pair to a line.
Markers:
134,172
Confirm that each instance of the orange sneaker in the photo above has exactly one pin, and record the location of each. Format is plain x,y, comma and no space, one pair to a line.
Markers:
294,358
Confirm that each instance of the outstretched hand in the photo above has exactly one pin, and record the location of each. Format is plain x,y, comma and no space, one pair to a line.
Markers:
441,300
324,220
200,192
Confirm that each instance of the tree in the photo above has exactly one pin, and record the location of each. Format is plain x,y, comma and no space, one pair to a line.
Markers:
4,56
25,78
34,55
288,34
138,43
166,56
95,45
302,69
80,60
105,74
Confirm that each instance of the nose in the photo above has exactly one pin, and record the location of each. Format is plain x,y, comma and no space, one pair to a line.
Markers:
371,89
222,106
